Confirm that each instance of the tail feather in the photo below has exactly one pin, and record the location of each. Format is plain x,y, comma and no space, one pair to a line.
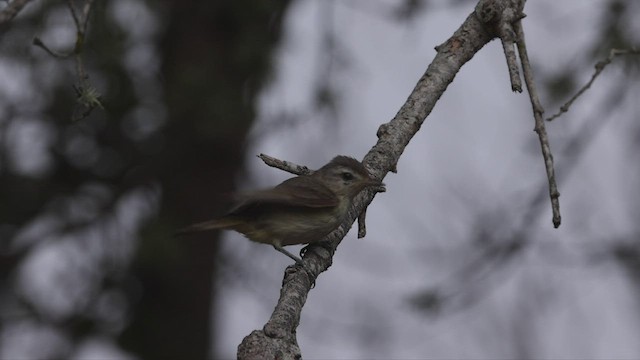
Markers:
219,223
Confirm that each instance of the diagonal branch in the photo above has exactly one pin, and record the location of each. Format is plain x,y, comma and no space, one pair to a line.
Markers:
278,337
599,67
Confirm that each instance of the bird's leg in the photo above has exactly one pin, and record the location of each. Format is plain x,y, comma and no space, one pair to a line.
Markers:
303,251
282,250
323,244
298,261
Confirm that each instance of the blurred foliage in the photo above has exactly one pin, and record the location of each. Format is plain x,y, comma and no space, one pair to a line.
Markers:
88,207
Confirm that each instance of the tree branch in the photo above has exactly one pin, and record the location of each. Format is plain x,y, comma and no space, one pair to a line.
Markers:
12,10
88,97
599,67
393,137
285,165
539,128
503,18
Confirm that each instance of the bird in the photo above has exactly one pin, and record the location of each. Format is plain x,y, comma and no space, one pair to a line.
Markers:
300,210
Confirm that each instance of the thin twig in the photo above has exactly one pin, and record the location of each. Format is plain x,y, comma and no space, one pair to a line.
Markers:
76,19
58,55
498,18
599,67
88,98
512,65
508,38
539,127
362,218
12,9
362,224
285,165
85,13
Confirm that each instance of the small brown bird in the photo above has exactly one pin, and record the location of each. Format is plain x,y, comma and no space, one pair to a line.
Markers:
300,210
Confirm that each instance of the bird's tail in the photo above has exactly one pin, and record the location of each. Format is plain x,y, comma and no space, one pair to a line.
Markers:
219,223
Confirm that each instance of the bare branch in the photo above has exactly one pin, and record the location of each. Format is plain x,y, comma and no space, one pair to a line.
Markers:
599,67
12,10
512,65
539,127
58,55
76,19
362,224
285,165
85,14
504,19
88,97
508,39
499,17
393,137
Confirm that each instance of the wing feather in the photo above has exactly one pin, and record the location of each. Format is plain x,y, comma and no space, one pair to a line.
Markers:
301,191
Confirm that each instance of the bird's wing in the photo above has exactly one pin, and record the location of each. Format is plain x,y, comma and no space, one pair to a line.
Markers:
307,191
301,191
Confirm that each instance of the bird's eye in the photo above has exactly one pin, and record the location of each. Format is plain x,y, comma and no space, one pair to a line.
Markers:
347,176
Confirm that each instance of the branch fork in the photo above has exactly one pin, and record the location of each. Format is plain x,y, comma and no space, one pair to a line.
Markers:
503,19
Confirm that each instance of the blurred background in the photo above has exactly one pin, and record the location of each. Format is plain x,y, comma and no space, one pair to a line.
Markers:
461,259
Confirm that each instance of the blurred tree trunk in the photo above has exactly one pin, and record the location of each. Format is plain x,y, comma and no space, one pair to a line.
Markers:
216,57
